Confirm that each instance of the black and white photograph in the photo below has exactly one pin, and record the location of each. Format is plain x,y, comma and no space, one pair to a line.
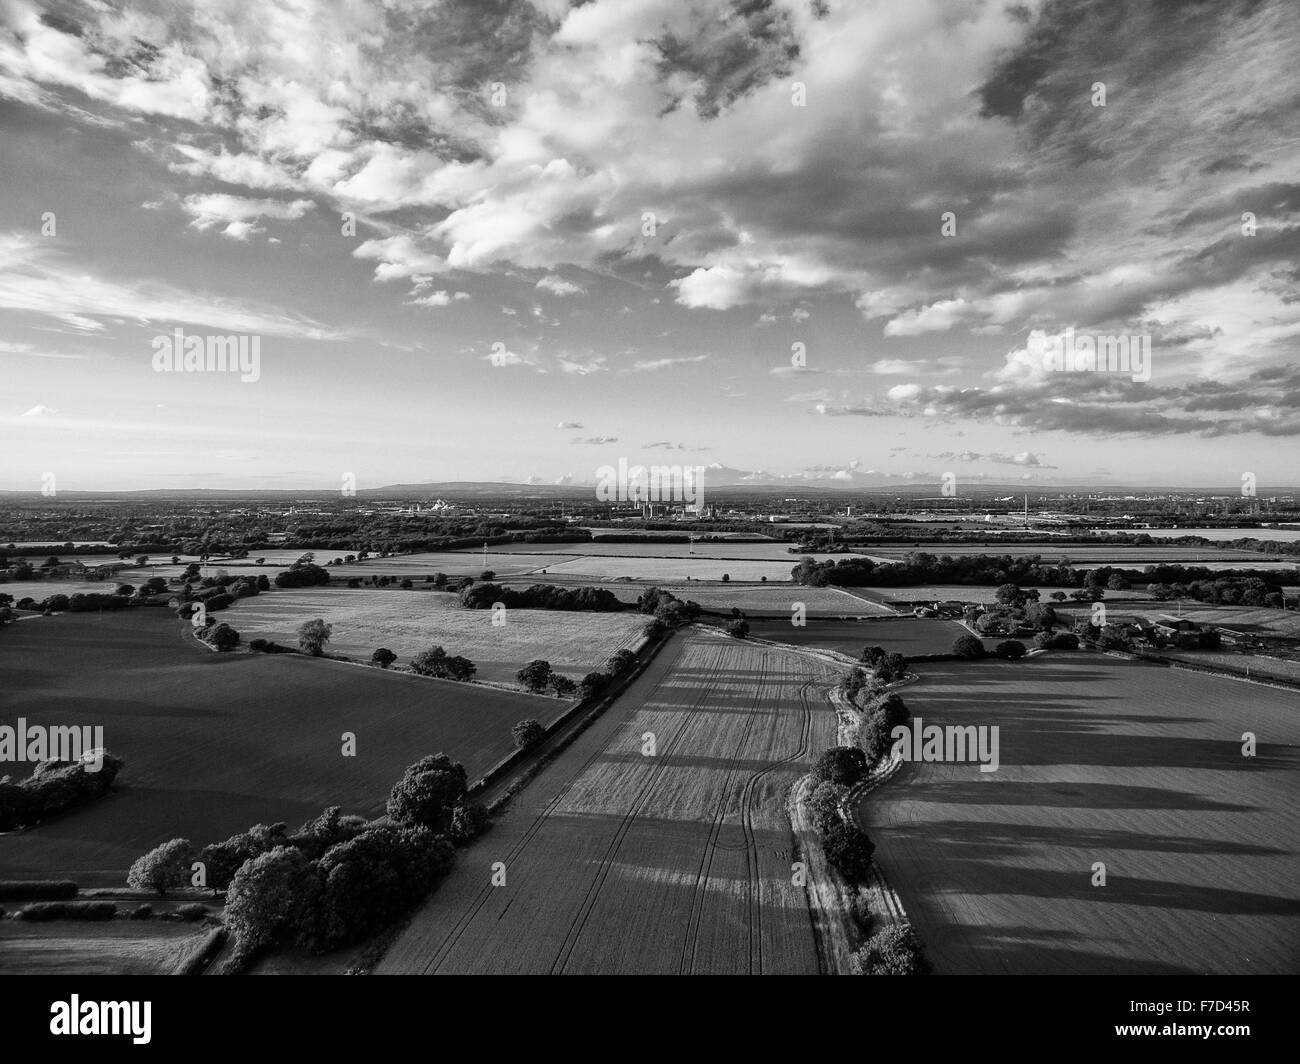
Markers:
649,487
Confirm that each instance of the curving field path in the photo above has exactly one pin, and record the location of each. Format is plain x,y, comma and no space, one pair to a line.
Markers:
1102,760
617,862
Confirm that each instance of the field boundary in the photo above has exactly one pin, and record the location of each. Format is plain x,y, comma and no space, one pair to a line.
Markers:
1278,682
593,709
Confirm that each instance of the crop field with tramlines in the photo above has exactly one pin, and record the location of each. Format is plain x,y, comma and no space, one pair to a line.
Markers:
407,622
618,860
214,743
1103,761
899,635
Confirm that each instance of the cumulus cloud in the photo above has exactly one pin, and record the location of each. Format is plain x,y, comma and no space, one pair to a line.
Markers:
558,286
238,216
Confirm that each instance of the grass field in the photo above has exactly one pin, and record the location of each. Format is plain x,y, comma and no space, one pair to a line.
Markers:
80,947
1081,554
214,743
618,862
902,635
1102,760
1261,665
671,570
407,622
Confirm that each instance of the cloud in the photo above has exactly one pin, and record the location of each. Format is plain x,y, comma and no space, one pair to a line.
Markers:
583,368
35,277
569,425
239,214
653,364
40,410
558,286
440,298
594,440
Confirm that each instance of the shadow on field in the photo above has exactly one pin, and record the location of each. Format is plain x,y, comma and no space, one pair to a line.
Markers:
1026,950
1073,795
982,877
995,838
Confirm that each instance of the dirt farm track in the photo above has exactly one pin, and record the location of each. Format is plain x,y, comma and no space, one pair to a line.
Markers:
1102,760
620,862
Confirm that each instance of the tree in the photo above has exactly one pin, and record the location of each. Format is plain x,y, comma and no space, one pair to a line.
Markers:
738,629
1010,595
840,764
824,805
562,685
726,578
142,560
428,792
593,683
223,637
431,662
968,647
460,668
849,849
383,657
263,584
527,733
313,635
535,676
893,950
621,660
1117,582
1059,596
468,821
163,868
1011,649
268,896
487,575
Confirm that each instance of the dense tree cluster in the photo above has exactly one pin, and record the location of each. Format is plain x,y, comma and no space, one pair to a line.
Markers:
52,788
337,878
541,597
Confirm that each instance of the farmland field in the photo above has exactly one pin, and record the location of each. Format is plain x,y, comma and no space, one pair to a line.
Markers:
80,947
1102,760
617,862
1261,665
1274,535
214,743
407,622
970,593
764,598
902,635
1081,554
669,570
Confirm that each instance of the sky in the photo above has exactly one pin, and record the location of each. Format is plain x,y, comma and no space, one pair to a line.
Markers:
814,243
